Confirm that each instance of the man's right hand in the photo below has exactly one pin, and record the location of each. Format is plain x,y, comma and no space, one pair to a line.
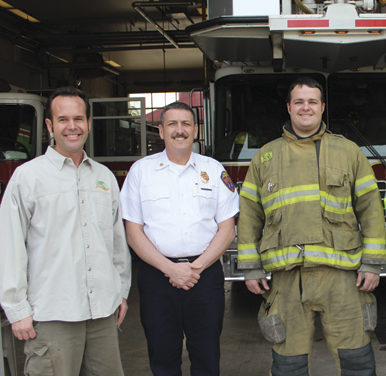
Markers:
23,329
254,286
182,276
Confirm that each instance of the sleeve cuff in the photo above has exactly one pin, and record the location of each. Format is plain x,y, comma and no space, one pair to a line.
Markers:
254,274
375,269
18,313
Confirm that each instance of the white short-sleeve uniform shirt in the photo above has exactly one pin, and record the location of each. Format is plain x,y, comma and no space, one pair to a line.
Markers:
180,207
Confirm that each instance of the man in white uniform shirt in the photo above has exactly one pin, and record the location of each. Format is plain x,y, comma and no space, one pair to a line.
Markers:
179,209
65,268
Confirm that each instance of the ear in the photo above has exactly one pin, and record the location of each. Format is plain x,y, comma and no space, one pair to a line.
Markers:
195,130
49,126
289,108
161,131
323,106
89,124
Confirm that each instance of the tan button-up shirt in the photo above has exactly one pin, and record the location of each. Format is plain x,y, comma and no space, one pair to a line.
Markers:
63,252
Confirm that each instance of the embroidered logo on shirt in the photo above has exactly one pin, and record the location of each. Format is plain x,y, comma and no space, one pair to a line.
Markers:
226,179
266,157
204,177
101,184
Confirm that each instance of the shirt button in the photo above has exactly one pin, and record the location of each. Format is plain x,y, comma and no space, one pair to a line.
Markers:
89,269
84,224
90,291
87,245
82,202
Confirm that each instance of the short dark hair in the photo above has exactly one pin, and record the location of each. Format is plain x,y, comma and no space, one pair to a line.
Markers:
177,106
67,91
307,81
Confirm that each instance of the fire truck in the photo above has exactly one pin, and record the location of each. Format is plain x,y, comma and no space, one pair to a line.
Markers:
257,48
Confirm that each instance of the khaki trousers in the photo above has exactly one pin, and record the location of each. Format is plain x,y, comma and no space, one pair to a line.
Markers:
346,313
74,348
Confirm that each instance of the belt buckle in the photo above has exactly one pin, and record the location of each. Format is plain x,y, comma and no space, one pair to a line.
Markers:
182,260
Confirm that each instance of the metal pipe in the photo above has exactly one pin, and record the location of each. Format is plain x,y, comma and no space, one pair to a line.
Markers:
162,3
158,28
305,9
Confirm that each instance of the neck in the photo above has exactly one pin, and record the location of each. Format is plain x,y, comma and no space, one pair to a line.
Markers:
77,158
302,136
181,159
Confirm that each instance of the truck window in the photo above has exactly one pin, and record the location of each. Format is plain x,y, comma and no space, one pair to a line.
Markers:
250,111
18,131
356,109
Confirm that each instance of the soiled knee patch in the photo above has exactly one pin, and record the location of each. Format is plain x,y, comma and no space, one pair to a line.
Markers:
357,361
296,365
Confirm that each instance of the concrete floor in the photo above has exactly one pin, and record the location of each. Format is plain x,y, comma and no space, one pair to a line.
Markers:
243,350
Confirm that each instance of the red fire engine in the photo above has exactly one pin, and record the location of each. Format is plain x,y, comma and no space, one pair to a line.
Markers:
257,49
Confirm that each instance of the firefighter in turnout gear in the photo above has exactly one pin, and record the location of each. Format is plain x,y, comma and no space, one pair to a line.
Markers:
311,214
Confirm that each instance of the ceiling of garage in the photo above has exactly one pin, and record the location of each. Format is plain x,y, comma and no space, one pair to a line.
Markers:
138,35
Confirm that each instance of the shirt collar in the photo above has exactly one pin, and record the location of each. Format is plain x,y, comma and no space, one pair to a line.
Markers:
290,134
58,160
165,162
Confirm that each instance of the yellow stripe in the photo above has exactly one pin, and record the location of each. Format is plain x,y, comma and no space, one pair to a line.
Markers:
283,253
249,196
246,246
298,188
291,201
250,185
375,240
248,257
364,180
374,252
326,261
368,189
332,251
331,209
340,200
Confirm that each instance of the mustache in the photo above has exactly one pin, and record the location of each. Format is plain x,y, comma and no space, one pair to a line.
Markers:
178,135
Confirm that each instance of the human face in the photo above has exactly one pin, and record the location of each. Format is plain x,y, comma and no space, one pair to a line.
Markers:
305,110
178,132
69,126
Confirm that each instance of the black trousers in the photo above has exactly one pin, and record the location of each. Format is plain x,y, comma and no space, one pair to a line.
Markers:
168,313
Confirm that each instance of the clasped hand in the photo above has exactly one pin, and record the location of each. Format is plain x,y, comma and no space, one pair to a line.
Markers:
184,275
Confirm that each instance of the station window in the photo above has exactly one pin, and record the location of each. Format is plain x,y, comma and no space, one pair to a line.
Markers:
155,102
127,128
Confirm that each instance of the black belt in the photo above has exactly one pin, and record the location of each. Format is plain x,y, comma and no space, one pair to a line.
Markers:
184,259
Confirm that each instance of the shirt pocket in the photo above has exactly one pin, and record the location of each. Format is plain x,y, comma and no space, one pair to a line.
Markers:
101,204
205,196
155,201
336,200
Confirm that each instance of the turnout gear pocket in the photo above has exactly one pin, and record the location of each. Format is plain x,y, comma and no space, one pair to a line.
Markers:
369,311
269,320
336,201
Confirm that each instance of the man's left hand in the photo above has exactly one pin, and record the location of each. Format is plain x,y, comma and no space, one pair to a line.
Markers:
122,312
367,281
